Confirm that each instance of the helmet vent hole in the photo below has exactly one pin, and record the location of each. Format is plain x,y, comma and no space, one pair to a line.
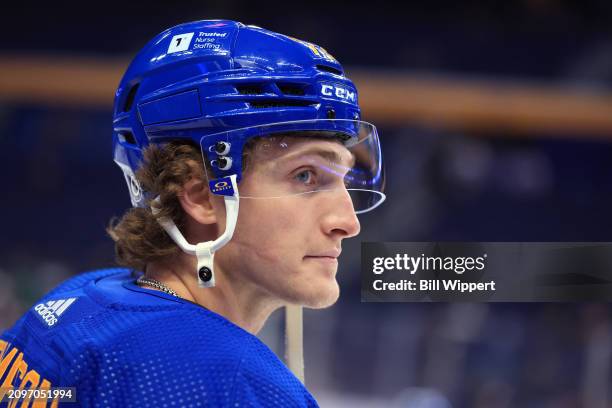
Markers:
292,89
250,89
129,101
327,68
127,137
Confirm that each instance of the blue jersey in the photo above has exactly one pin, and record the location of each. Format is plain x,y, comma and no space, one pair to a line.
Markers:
119,344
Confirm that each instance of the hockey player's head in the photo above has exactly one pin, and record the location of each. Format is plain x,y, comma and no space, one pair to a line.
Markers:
214,119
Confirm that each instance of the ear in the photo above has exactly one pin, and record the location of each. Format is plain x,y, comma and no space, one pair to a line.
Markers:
197,201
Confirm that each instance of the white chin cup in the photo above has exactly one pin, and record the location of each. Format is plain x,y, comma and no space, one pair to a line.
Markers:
205,251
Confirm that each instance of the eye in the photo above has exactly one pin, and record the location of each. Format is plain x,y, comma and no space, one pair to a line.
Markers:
306,177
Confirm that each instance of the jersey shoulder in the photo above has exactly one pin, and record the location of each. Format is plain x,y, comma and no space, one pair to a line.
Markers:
60,301
82,279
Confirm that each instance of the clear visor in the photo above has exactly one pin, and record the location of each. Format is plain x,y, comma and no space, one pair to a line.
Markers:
301,157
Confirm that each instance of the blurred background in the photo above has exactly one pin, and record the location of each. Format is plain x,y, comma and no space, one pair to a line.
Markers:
496,121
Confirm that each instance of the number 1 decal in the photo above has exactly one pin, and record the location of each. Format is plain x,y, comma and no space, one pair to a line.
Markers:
180,42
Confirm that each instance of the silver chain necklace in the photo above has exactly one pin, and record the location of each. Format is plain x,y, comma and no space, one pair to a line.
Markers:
156,284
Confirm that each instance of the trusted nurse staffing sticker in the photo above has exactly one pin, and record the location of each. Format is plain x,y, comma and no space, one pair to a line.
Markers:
486,271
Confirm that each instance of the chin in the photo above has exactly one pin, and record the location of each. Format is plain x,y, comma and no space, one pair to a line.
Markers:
322,296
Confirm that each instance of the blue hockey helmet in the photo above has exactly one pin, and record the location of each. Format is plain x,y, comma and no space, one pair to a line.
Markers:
221,83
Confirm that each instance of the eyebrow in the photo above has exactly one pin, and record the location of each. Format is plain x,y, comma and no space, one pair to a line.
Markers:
330,155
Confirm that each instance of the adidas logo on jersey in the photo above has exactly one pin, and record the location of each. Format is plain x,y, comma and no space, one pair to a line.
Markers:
52,310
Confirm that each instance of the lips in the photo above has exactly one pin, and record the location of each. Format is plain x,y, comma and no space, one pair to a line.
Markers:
328,254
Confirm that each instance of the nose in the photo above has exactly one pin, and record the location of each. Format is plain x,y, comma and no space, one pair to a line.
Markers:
340,220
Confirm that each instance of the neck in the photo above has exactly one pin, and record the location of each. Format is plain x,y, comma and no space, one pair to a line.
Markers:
238,301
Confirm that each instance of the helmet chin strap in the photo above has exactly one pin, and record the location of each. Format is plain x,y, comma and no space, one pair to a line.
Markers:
205,251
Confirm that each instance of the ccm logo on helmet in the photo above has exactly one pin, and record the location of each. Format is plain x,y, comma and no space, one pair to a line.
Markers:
339,92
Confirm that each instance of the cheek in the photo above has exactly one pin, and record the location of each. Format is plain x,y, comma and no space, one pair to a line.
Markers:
270,228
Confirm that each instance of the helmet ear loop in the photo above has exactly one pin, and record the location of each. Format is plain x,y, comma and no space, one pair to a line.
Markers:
205,251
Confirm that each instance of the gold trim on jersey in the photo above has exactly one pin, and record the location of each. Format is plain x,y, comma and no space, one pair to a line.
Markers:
17,375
